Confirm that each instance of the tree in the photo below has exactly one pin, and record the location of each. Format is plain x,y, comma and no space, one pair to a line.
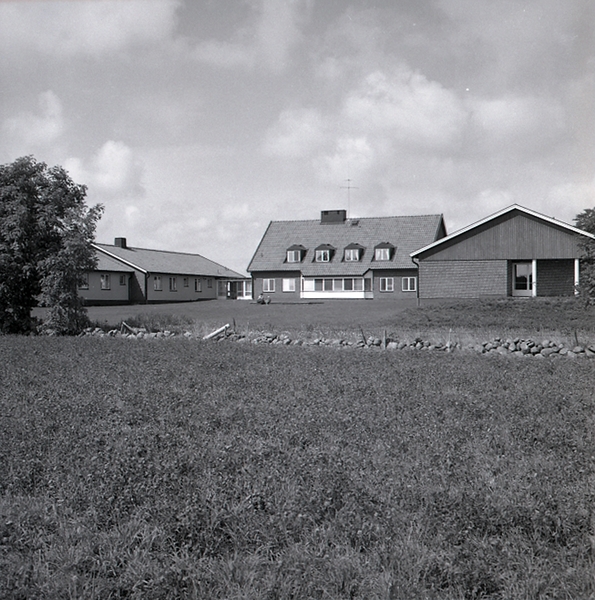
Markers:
46,231
586,221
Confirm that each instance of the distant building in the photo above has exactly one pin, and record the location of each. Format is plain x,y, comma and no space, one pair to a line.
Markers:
337,257
136,275
514,252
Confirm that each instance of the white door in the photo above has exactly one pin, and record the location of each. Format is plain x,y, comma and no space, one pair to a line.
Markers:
522,279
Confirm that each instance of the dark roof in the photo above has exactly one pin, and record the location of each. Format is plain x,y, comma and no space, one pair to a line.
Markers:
509,209
405,233
162,261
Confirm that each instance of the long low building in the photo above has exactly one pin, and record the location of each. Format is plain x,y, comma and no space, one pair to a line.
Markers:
142,276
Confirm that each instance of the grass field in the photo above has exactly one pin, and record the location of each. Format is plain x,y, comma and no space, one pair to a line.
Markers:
188,469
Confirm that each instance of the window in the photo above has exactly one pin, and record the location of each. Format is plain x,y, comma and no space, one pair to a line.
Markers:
289,285
122,279
351,254
409,284
157,283
197,285
209,283
105,281
268,285
382,254
294,256
173,284
323,256
387,284
84,282
185,281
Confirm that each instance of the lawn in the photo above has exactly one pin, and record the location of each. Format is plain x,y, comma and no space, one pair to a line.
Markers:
181,468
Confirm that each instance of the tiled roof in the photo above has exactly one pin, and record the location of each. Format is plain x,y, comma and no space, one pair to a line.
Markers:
405,233
107,263
162,261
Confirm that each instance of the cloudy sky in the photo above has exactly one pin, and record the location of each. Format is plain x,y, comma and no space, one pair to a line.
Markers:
196,122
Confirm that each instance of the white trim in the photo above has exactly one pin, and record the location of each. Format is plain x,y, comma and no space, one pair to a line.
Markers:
499,214
577,276
534,278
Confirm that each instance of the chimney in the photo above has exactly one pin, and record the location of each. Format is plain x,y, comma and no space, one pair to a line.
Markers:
120,242
333,216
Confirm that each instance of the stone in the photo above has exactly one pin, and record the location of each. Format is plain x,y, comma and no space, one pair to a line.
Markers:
578,349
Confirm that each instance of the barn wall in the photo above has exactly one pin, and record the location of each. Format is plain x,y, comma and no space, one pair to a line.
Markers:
463,279
514,236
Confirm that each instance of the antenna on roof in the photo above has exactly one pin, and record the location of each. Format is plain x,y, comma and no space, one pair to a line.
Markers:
348,187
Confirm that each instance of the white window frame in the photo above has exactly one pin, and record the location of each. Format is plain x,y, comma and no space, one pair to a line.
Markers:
84,282
173,284
387,284
157,283
409,284
323,256
352,254
185,281
268,286
122,279
106,283
382,254
294,256
289,285
197,285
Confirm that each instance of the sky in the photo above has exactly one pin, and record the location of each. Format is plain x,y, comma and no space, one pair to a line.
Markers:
197,122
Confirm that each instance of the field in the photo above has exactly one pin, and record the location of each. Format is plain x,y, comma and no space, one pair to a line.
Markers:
187,469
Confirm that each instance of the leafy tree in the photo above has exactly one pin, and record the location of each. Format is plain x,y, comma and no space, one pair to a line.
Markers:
46,231
586,221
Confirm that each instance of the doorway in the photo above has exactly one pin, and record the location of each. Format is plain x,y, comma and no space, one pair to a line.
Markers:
522,279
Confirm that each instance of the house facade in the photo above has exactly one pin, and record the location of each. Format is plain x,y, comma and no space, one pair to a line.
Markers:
340,258
514,252
127,275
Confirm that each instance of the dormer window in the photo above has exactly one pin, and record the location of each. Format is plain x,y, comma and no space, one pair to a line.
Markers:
384,251
323,253
295,254
353,253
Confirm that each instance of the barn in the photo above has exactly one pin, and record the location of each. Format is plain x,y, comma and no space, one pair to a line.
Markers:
514,252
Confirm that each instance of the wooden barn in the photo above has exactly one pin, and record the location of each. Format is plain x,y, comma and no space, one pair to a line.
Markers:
142,276
341,258
514,252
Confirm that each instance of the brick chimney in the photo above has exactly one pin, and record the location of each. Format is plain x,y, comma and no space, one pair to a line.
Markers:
333,216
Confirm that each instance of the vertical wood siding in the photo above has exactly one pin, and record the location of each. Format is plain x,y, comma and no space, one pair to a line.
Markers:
514,236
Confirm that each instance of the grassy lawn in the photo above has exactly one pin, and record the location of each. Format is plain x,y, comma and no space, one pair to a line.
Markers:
179,468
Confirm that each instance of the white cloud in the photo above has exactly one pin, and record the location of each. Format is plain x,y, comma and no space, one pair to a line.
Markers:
31,131
298,133
409,108
91,27
506,119
112,172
